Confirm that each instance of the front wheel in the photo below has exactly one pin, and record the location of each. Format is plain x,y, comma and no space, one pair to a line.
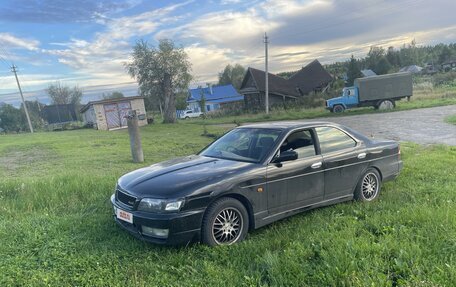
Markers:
368,187
338,109
226,222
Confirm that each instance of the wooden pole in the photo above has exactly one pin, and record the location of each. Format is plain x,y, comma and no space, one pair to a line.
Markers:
13,69
266,92
135,138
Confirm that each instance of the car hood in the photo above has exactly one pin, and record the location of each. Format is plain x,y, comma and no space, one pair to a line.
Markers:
180,177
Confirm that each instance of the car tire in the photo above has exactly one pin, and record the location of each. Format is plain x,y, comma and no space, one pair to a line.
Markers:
225,222
338,109
186,118
369,185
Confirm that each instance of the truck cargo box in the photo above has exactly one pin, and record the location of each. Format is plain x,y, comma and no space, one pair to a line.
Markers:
390,86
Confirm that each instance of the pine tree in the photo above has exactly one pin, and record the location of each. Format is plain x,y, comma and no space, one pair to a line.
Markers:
353,71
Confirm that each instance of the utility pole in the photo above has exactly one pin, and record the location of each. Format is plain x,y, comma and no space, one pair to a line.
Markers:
13,69
266,92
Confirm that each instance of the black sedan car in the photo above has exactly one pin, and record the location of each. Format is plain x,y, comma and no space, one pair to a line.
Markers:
250,177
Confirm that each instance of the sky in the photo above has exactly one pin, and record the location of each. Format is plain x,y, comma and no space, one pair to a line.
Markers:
87,42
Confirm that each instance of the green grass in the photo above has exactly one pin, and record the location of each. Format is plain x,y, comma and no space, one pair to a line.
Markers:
56,227
451,119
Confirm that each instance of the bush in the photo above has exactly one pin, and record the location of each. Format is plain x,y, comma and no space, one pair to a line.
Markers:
445,79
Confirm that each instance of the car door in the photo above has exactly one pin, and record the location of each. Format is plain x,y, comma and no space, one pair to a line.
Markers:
299,182
344,159
352,98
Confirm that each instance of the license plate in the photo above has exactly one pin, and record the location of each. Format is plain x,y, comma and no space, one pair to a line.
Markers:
123,215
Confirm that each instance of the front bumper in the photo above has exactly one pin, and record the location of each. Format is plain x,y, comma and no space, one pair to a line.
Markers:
184,227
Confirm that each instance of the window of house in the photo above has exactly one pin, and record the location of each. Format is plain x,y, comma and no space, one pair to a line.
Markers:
332,139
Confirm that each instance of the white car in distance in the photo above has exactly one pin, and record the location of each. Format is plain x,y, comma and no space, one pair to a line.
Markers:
190,114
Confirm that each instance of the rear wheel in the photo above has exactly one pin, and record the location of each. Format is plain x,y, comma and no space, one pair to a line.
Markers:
386,105
226,222
368,187
338,109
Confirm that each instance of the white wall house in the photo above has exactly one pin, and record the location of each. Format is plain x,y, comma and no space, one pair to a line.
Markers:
110,114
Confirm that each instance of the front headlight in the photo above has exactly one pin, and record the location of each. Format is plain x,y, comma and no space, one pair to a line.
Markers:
160,205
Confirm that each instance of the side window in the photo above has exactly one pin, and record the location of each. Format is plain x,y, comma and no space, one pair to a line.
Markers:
332,139
301,142
263,145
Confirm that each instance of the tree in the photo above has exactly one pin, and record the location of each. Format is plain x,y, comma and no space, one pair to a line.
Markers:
202,101
353,71
393,57
34,109
382,67
181,100
409,55
161,72
62,95
445,55
11,119
113,95
374,56
232,75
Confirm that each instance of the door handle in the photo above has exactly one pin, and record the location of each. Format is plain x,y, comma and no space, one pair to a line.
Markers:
362,155
316,165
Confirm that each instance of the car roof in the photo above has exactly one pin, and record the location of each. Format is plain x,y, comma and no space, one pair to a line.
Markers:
291,125
288,125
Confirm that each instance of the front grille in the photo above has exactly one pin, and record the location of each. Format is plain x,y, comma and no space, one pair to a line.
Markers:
125,198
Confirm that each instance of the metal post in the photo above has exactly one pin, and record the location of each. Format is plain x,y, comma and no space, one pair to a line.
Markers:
266,93
135,138
13,69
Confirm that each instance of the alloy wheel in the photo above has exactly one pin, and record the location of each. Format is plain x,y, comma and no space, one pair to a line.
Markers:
227,226
370,186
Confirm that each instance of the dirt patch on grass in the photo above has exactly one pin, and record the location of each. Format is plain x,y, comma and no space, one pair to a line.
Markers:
14,159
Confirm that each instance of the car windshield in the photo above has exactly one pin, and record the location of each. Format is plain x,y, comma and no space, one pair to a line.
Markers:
243,144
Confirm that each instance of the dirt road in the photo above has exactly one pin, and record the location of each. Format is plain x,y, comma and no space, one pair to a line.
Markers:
423,126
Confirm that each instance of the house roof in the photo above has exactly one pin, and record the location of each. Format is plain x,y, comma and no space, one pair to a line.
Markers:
368,73
276,84
219,94
311,77
411,69
108,101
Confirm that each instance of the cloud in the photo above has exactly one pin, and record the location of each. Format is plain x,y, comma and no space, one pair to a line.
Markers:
60,11
299,31
206,60
230,2
8,40
103,57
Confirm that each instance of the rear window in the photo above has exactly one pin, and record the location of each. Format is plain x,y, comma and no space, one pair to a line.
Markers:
332,139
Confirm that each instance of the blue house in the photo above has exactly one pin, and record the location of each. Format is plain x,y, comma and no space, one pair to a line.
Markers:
216,97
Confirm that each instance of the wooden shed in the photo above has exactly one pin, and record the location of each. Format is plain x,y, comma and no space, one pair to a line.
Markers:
110,114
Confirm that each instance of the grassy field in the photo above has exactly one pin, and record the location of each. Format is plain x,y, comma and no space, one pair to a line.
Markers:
56,227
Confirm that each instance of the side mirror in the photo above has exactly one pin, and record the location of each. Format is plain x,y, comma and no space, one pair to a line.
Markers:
286,156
